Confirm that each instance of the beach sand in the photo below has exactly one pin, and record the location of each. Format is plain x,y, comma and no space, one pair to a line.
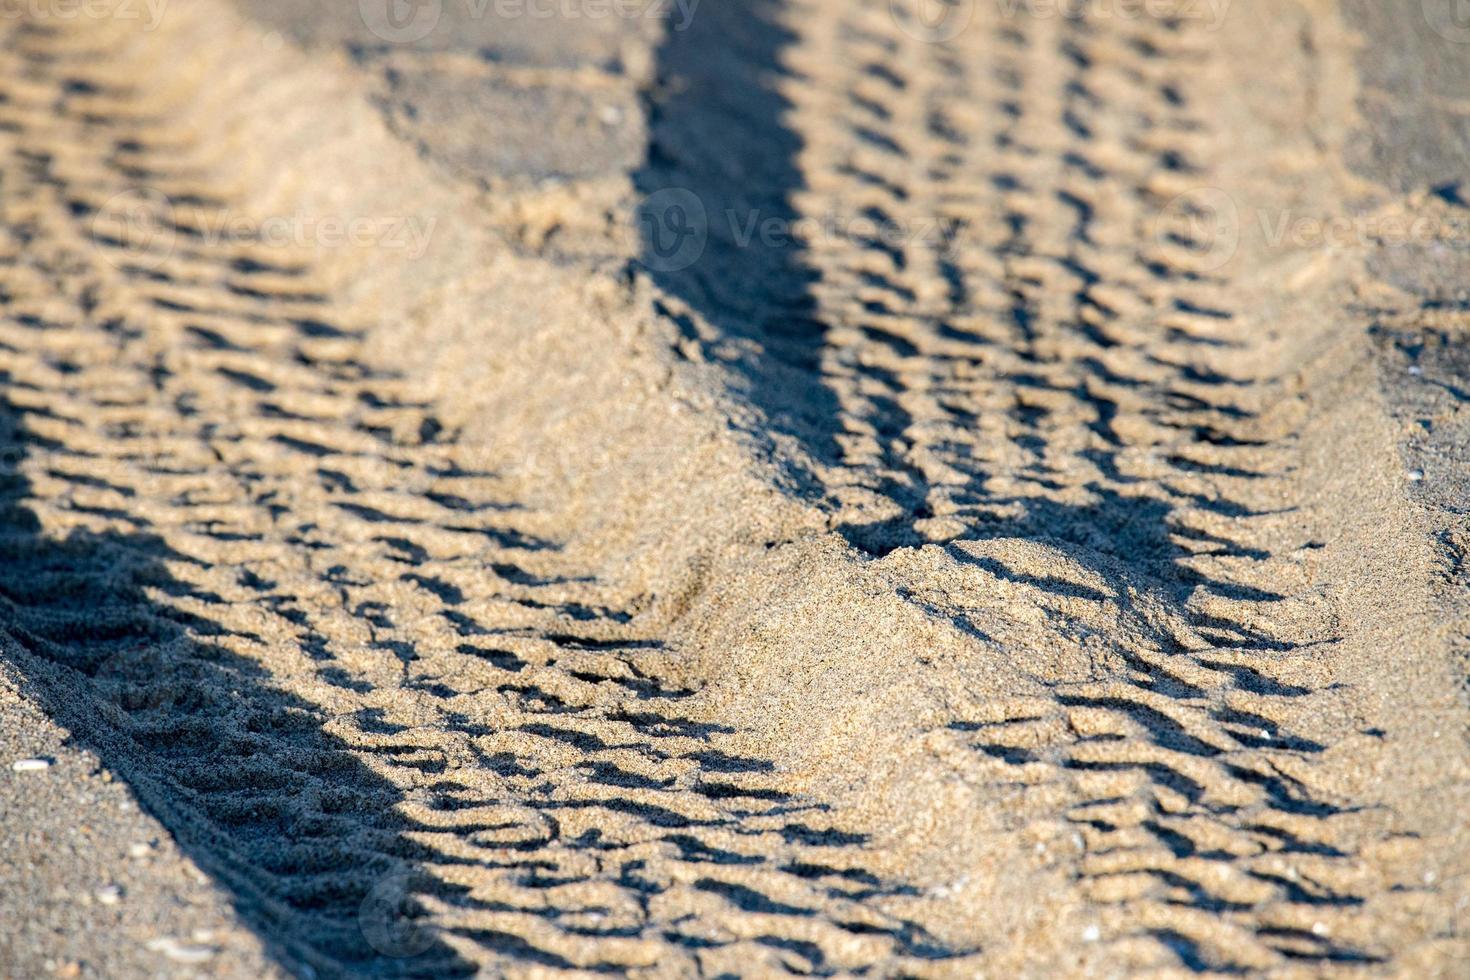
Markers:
734,489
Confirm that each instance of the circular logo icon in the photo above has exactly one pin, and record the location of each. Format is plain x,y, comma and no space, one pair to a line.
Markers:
391,921
675,229
401,21
1202,226
137,226
137,680
1450,19
932,21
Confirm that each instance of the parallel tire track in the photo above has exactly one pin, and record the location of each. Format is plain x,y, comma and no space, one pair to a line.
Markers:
1005,340
212,475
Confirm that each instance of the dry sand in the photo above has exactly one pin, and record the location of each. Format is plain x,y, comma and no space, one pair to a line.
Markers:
452,524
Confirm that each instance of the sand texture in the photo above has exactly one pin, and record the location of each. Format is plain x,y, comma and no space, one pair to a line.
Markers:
734,489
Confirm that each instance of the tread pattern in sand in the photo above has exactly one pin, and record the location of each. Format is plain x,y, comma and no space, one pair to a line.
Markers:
1001,340
333,650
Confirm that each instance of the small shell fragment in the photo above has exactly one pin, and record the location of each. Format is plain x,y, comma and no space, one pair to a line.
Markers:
181,952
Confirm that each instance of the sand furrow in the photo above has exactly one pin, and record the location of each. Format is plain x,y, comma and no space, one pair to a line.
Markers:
1023,338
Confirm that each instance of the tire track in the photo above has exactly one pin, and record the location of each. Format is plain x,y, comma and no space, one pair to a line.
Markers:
477,758
379,683
1006,338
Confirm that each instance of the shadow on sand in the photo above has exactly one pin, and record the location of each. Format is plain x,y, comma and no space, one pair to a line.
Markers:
303,835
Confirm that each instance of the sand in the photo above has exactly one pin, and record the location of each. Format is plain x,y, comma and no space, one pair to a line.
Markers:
733,489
